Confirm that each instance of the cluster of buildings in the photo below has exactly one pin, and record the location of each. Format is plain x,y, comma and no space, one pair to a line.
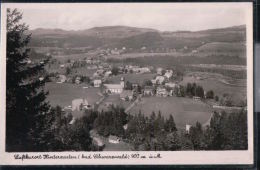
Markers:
137,69
162,84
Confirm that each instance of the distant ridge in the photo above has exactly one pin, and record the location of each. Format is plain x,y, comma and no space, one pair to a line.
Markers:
134,37
43,31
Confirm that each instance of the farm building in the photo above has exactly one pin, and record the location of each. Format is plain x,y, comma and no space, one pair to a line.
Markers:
41,78
197,98
159,71
113,139
79,104
97,83
148,91
89,60
168,74
108,73
170,84
78,80
62,79
97,141
134,68
141,70
144,70
127,95
115,88
158,80
161,91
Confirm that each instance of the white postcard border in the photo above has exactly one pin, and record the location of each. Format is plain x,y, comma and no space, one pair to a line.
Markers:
167,157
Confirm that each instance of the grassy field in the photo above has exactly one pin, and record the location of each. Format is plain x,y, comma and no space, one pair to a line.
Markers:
133,78
219,84
63,94
184,110
218,47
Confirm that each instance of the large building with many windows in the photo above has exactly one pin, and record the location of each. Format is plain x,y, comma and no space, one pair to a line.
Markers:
115,88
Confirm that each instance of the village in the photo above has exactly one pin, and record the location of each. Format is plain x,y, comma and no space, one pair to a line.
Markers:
127,86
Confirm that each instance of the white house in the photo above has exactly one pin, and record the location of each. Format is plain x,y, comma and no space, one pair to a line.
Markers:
41,78
159,70
98,142
187,128
113,139
168,73
115,88
144,70
170,84
108,73
161,91
197,98
97,83
159,79
148,91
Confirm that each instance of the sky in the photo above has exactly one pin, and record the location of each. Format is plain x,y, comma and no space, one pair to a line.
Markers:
160,16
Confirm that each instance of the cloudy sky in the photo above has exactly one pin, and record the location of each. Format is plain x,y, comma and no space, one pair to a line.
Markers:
161,16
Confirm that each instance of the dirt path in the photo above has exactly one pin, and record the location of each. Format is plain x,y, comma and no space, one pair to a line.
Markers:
134,103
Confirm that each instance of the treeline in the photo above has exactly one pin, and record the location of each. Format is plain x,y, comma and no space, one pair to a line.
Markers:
226,131
53,132
111,122
191,90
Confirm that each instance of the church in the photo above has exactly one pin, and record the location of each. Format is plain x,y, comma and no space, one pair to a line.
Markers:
115,88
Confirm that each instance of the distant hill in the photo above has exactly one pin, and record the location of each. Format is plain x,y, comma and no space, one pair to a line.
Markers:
238,28
115,31
135,38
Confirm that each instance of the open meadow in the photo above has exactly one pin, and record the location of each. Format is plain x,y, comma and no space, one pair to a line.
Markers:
184,110
63,94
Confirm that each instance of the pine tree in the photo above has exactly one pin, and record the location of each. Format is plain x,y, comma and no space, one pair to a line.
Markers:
173,142
196,136
170,125
25,97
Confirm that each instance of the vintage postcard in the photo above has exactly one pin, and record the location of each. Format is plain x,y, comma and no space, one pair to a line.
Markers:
126,84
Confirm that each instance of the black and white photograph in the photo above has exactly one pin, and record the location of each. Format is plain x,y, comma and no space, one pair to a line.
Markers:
106,78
